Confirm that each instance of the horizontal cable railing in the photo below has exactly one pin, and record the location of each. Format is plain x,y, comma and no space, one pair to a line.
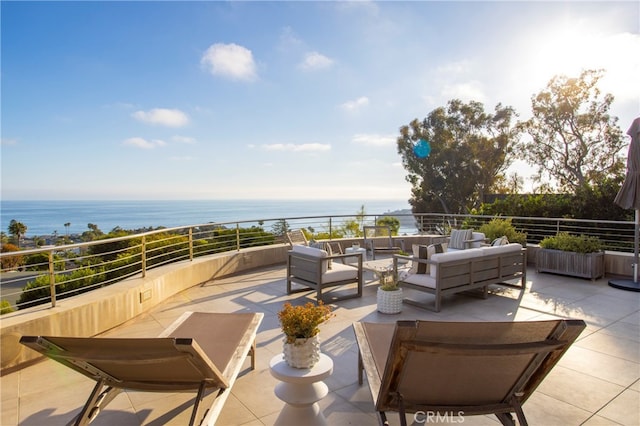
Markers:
43,275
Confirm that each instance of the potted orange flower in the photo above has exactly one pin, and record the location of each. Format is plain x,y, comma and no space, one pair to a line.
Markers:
300,325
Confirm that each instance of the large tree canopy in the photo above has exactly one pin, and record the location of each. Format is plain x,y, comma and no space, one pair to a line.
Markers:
573,139
470,151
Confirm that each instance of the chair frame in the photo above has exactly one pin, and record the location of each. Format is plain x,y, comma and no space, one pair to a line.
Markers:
378,238
163,364
306,271
297,236
519,354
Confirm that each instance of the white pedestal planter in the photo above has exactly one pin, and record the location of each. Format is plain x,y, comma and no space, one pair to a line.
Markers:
389,302
303,353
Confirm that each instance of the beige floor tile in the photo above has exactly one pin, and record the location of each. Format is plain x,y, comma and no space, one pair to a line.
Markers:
596,382
602,366
625,409
600,421
620,347
579,389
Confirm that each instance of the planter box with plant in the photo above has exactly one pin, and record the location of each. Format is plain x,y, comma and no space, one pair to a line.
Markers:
575,255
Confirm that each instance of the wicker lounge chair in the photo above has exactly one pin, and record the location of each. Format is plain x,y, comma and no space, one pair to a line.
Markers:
459,368
199,352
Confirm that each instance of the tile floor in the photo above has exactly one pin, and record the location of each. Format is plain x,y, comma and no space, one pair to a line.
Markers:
596,383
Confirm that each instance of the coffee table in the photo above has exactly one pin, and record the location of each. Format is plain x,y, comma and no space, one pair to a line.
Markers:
380,267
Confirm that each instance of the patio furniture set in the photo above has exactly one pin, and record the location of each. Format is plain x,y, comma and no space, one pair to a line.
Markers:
498,364
463,264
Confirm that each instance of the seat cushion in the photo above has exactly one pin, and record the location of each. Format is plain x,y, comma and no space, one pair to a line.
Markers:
423,280
340,272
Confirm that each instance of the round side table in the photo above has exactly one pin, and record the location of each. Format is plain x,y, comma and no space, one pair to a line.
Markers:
301,389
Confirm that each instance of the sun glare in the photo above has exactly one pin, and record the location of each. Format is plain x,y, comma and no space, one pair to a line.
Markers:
569,50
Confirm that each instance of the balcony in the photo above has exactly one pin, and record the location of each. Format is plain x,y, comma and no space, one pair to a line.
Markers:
596,382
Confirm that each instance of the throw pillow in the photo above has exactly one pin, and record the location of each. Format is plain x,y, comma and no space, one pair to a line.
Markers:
501,241
433,249
425,252
458,238
329,251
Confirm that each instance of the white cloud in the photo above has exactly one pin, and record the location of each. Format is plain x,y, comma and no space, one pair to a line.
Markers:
374,140
354,105
305,147
229,60
315,61
183,158
162,117
465,91
288,39
7,142
184,139
143,143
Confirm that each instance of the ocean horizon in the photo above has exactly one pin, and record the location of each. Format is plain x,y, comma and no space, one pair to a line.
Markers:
47,217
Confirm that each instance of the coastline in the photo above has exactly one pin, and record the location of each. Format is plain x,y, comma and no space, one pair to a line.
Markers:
48,218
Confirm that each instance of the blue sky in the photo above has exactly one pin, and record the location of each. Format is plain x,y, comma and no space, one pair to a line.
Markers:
221,100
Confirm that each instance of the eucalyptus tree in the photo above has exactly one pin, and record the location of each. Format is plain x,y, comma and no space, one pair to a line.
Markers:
470,150
572,137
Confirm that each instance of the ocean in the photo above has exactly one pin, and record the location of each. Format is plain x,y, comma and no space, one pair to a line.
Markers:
48,217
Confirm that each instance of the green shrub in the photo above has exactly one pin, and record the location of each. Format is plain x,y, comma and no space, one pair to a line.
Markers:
38,291
5,307
575,243
499,227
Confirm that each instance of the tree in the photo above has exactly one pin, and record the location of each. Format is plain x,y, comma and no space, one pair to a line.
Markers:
17,230
470,151
93,234
280,228
66,227
11,262
392,222
573,140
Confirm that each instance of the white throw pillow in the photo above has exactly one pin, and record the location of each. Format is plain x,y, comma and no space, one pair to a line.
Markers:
501,241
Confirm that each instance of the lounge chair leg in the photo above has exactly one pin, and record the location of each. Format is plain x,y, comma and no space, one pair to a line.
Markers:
519,412
401,412
506,419
383,418
252,352
96,401
196,404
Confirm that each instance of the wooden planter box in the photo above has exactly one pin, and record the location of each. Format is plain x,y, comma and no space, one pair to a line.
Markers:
589,265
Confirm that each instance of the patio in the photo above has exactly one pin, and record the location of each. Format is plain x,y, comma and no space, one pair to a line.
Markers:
596,383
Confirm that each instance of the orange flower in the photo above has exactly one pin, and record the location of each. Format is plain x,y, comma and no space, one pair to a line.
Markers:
303,321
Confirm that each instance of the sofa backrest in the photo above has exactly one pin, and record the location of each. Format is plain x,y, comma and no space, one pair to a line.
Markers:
507,248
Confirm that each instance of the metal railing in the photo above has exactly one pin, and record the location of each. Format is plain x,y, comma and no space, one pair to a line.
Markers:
43,275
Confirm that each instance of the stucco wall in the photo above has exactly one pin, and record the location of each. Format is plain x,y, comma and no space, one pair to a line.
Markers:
100,310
